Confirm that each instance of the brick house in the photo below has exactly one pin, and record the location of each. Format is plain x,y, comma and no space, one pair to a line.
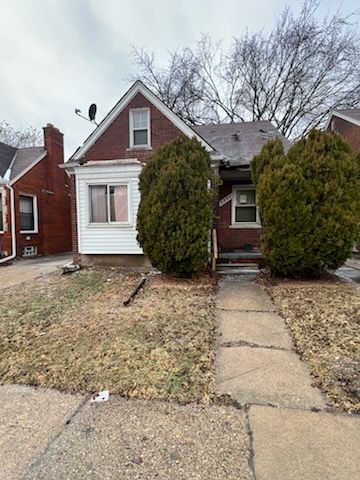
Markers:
105,169
34,199
346,123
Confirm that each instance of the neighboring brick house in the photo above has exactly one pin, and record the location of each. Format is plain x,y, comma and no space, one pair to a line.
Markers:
34,199
347,124
105,171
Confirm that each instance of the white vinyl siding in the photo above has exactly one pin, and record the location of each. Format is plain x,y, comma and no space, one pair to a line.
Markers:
111,237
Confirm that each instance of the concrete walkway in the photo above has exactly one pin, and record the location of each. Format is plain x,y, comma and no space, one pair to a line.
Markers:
293,438
21,270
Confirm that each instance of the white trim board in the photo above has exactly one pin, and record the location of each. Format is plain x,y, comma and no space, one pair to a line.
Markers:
137,87
343,117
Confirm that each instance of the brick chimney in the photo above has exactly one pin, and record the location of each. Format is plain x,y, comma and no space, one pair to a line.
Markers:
54,145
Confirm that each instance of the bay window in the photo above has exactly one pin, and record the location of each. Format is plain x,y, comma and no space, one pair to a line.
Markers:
245,212
109,204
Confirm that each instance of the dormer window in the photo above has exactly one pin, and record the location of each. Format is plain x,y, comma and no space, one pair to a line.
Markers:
140,128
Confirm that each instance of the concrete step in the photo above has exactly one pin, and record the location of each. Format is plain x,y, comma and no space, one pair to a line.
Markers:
231,270
238,265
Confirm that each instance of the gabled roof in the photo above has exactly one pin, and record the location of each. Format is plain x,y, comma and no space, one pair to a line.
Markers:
240,142
137,87
18,160
7,154
351,115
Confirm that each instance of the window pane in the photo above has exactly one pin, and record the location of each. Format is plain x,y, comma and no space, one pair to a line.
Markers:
119,203
140,137
1,214
245,197
140,119
98,206
245,214
26,213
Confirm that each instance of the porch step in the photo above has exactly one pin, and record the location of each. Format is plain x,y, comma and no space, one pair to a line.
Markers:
237,268
239,254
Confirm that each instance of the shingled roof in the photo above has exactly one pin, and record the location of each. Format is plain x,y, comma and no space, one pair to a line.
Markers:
240,142
18,159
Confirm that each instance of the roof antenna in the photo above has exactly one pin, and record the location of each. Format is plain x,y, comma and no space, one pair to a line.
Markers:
92,114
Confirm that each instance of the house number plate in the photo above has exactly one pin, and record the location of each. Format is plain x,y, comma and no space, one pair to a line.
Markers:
225,200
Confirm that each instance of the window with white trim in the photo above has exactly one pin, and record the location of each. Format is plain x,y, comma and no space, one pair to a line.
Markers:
28,213
245,211
140,128
109,203
1,213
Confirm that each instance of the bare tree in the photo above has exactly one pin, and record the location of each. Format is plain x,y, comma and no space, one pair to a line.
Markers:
293,76
27,137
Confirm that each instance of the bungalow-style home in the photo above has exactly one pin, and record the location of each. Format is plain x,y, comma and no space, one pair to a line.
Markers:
347,124
105,171
34,199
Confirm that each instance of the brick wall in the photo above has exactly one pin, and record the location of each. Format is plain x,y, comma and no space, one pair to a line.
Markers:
233,238
114,142
49,184
349,131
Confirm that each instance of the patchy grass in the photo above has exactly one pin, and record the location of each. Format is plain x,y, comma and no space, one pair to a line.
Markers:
324,317
74,334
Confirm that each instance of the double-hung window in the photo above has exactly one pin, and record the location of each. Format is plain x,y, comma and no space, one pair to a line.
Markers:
109,204
28,214
1,213
140,128
245,212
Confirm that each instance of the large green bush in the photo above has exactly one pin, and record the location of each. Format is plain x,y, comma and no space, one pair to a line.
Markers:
176,208
309,203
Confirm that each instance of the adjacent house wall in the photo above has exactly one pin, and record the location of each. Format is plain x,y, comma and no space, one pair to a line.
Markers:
49,184
349,131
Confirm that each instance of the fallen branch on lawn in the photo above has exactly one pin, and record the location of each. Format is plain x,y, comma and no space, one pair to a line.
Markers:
135,291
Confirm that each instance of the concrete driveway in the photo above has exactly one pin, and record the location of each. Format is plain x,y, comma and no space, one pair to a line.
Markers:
22,270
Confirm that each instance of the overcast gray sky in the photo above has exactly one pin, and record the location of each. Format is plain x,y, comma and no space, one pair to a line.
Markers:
60,54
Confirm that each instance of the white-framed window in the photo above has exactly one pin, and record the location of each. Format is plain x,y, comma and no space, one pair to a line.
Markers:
1,213
109,204
139,128
28,213
245,212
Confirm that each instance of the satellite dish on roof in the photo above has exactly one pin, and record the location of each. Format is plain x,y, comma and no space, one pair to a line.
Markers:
92,112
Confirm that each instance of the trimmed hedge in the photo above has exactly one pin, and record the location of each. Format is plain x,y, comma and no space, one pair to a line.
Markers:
309,201
176,208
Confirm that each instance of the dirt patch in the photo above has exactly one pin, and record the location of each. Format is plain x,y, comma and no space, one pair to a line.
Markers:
73,333
324,318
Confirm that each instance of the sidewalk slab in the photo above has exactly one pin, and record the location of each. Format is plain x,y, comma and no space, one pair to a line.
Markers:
29,419
265,376
261,328
137,439
235,295
298,445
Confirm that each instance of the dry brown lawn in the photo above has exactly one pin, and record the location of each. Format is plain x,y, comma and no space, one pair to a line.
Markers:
73,333
324,318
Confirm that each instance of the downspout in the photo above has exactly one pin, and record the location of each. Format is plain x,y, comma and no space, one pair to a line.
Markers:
13,230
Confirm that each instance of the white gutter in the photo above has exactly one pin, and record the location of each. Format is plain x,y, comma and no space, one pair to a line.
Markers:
13,230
